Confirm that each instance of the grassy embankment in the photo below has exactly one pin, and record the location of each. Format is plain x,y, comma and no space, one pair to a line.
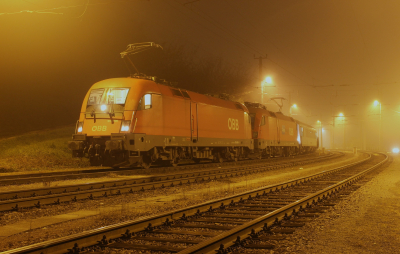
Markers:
39,150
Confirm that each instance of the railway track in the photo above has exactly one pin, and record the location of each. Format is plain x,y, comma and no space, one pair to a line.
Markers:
220,226
103,172
16,200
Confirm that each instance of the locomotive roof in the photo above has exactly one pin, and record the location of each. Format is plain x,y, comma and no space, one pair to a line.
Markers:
149,86
304,124
280,115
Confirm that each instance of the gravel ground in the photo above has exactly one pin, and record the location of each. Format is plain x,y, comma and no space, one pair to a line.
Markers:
367,221
133,206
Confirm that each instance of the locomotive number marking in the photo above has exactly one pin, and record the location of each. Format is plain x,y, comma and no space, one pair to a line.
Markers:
233,124
99,128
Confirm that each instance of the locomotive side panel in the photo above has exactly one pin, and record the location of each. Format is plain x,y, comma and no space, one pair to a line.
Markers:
286,130
217,122
150,120
272,134
308,136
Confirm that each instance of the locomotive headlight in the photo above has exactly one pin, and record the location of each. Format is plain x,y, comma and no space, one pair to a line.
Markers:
125,125
103,107
79,127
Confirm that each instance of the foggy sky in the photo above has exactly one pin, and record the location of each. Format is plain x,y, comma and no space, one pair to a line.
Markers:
330,56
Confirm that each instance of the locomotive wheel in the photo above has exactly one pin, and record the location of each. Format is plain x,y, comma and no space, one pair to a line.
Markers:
196,160
175,162
146,165
95,161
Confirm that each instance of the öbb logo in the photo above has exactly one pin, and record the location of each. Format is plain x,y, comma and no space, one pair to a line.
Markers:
233,124
99,128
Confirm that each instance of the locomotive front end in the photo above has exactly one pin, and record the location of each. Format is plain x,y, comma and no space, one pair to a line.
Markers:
106,123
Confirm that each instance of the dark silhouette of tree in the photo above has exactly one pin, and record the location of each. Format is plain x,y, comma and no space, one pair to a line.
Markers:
204,74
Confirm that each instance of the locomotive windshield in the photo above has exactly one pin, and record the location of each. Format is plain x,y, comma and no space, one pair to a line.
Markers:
95,96
106,103
108,96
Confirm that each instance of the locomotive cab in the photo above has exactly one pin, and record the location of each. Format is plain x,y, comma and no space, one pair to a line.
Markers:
108,118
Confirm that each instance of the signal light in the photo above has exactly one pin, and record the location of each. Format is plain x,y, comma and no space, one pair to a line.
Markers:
79,127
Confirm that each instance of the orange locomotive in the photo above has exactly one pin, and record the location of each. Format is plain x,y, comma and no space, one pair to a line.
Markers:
136,121
275,134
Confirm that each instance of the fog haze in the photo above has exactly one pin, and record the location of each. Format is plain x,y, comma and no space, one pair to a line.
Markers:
327,57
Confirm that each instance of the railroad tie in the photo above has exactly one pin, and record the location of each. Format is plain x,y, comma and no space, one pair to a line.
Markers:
130,246
189,225
165,240
184,232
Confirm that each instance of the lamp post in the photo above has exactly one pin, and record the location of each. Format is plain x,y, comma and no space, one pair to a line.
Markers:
290,109
380,121
267,80
320,126
334,126
341,115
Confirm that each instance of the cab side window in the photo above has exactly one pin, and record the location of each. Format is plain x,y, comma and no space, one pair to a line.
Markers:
145,102
262,121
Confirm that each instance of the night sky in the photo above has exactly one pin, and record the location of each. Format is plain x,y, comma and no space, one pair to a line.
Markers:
326,56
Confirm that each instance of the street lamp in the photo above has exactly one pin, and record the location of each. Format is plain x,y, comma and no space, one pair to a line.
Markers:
344,146
290,110
320,126
334,118
342,118
376,103
267,80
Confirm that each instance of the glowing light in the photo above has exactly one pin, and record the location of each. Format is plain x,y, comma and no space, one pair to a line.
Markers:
376,103
318,121
125,126
80,127
341,114
268,80
147,99
103,107
395,150
294,106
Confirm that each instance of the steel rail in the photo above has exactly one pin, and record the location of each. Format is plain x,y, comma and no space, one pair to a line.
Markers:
96,190
92,237
93,173
105,184
243,231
